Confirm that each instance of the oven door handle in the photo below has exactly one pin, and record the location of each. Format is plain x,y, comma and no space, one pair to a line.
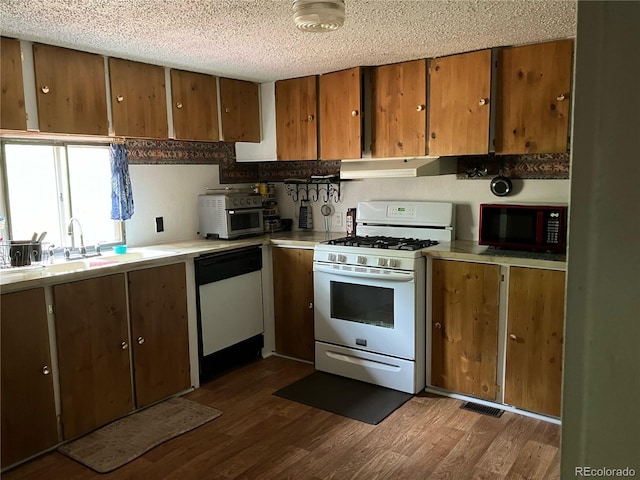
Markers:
396,276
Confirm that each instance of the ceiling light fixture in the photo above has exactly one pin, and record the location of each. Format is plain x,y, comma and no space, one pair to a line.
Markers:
315,16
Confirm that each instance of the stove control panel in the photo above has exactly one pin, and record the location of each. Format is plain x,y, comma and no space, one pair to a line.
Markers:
380,261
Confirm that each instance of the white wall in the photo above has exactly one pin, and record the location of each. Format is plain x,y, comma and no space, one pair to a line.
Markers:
171,192
466,194
601,390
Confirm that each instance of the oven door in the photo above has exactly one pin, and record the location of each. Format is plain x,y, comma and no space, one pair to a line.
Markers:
368,311
244,222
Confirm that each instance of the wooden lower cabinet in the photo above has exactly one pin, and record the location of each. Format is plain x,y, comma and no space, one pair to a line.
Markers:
293,302
159,332
93,352
464,327
29,423
535,334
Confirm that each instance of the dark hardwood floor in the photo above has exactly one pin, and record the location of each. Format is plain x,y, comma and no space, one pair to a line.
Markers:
261,436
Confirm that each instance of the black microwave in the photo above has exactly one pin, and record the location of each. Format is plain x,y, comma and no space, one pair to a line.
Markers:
523,227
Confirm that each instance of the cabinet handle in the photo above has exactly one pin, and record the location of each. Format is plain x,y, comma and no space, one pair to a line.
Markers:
419,108
120,98
45,370
45,89
438,325
513,337
124,345
560,97
483,101
310,305
310,118
179,105
227,109
354,113
140,340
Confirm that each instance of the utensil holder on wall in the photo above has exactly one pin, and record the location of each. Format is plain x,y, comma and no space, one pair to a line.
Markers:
313,190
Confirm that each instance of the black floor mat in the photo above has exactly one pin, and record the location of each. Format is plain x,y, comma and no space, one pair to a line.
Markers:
350,398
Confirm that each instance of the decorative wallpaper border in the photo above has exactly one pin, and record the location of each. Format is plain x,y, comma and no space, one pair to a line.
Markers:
549,166
158,152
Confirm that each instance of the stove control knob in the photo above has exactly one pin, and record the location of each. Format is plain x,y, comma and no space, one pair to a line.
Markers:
331,257
382,262
342,258
394,262
362,260
257,201
235,202
242,201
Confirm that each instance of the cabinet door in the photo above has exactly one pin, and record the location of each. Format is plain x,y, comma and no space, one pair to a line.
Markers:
29,423
460,86
138,99
465,310
399,114
532,103
195,106
93,354
296,119
341,115
240,111
70,91
13,115
535,333
159,332
293,302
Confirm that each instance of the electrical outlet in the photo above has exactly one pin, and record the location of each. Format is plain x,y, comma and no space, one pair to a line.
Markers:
337,219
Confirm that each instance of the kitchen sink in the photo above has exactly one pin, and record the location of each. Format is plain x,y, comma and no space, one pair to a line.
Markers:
105,260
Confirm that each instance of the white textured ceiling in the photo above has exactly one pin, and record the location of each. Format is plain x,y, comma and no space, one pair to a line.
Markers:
257,40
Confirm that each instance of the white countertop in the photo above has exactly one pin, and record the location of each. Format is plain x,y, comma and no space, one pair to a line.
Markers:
161,254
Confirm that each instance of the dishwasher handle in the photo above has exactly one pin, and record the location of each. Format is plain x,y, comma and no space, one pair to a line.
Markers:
220,266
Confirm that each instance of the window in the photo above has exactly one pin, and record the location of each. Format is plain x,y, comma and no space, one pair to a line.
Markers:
47,185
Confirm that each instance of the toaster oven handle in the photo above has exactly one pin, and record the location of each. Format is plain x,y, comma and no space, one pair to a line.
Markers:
396,276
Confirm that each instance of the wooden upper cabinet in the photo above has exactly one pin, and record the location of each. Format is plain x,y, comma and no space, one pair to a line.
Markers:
195,106
533,98
398,113
93,352
341,114
240,110
70,91
535,333
159,331
138,99
13,115
297,119
459,111
465,311
29,423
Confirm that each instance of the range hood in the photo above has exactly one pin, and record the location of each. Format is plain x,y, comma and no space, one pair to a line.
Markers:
397,167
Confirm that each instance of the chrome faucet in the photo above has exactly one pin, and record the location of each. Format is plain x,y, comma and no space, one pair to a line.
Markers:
83,250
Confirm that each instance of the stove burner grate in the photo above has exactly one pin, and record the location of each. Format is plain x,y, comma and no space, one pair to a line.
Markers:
391,243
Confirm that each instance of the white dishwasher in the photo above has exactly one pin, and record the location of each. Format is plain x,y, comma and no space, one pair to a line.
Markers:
229,302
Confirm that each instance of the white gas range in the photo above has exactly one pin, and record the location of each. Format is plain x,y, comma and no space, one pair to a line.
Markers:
370,293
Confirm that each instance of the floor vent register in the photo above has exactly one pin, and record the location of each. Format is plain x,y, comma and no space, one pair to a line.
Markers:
484,409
